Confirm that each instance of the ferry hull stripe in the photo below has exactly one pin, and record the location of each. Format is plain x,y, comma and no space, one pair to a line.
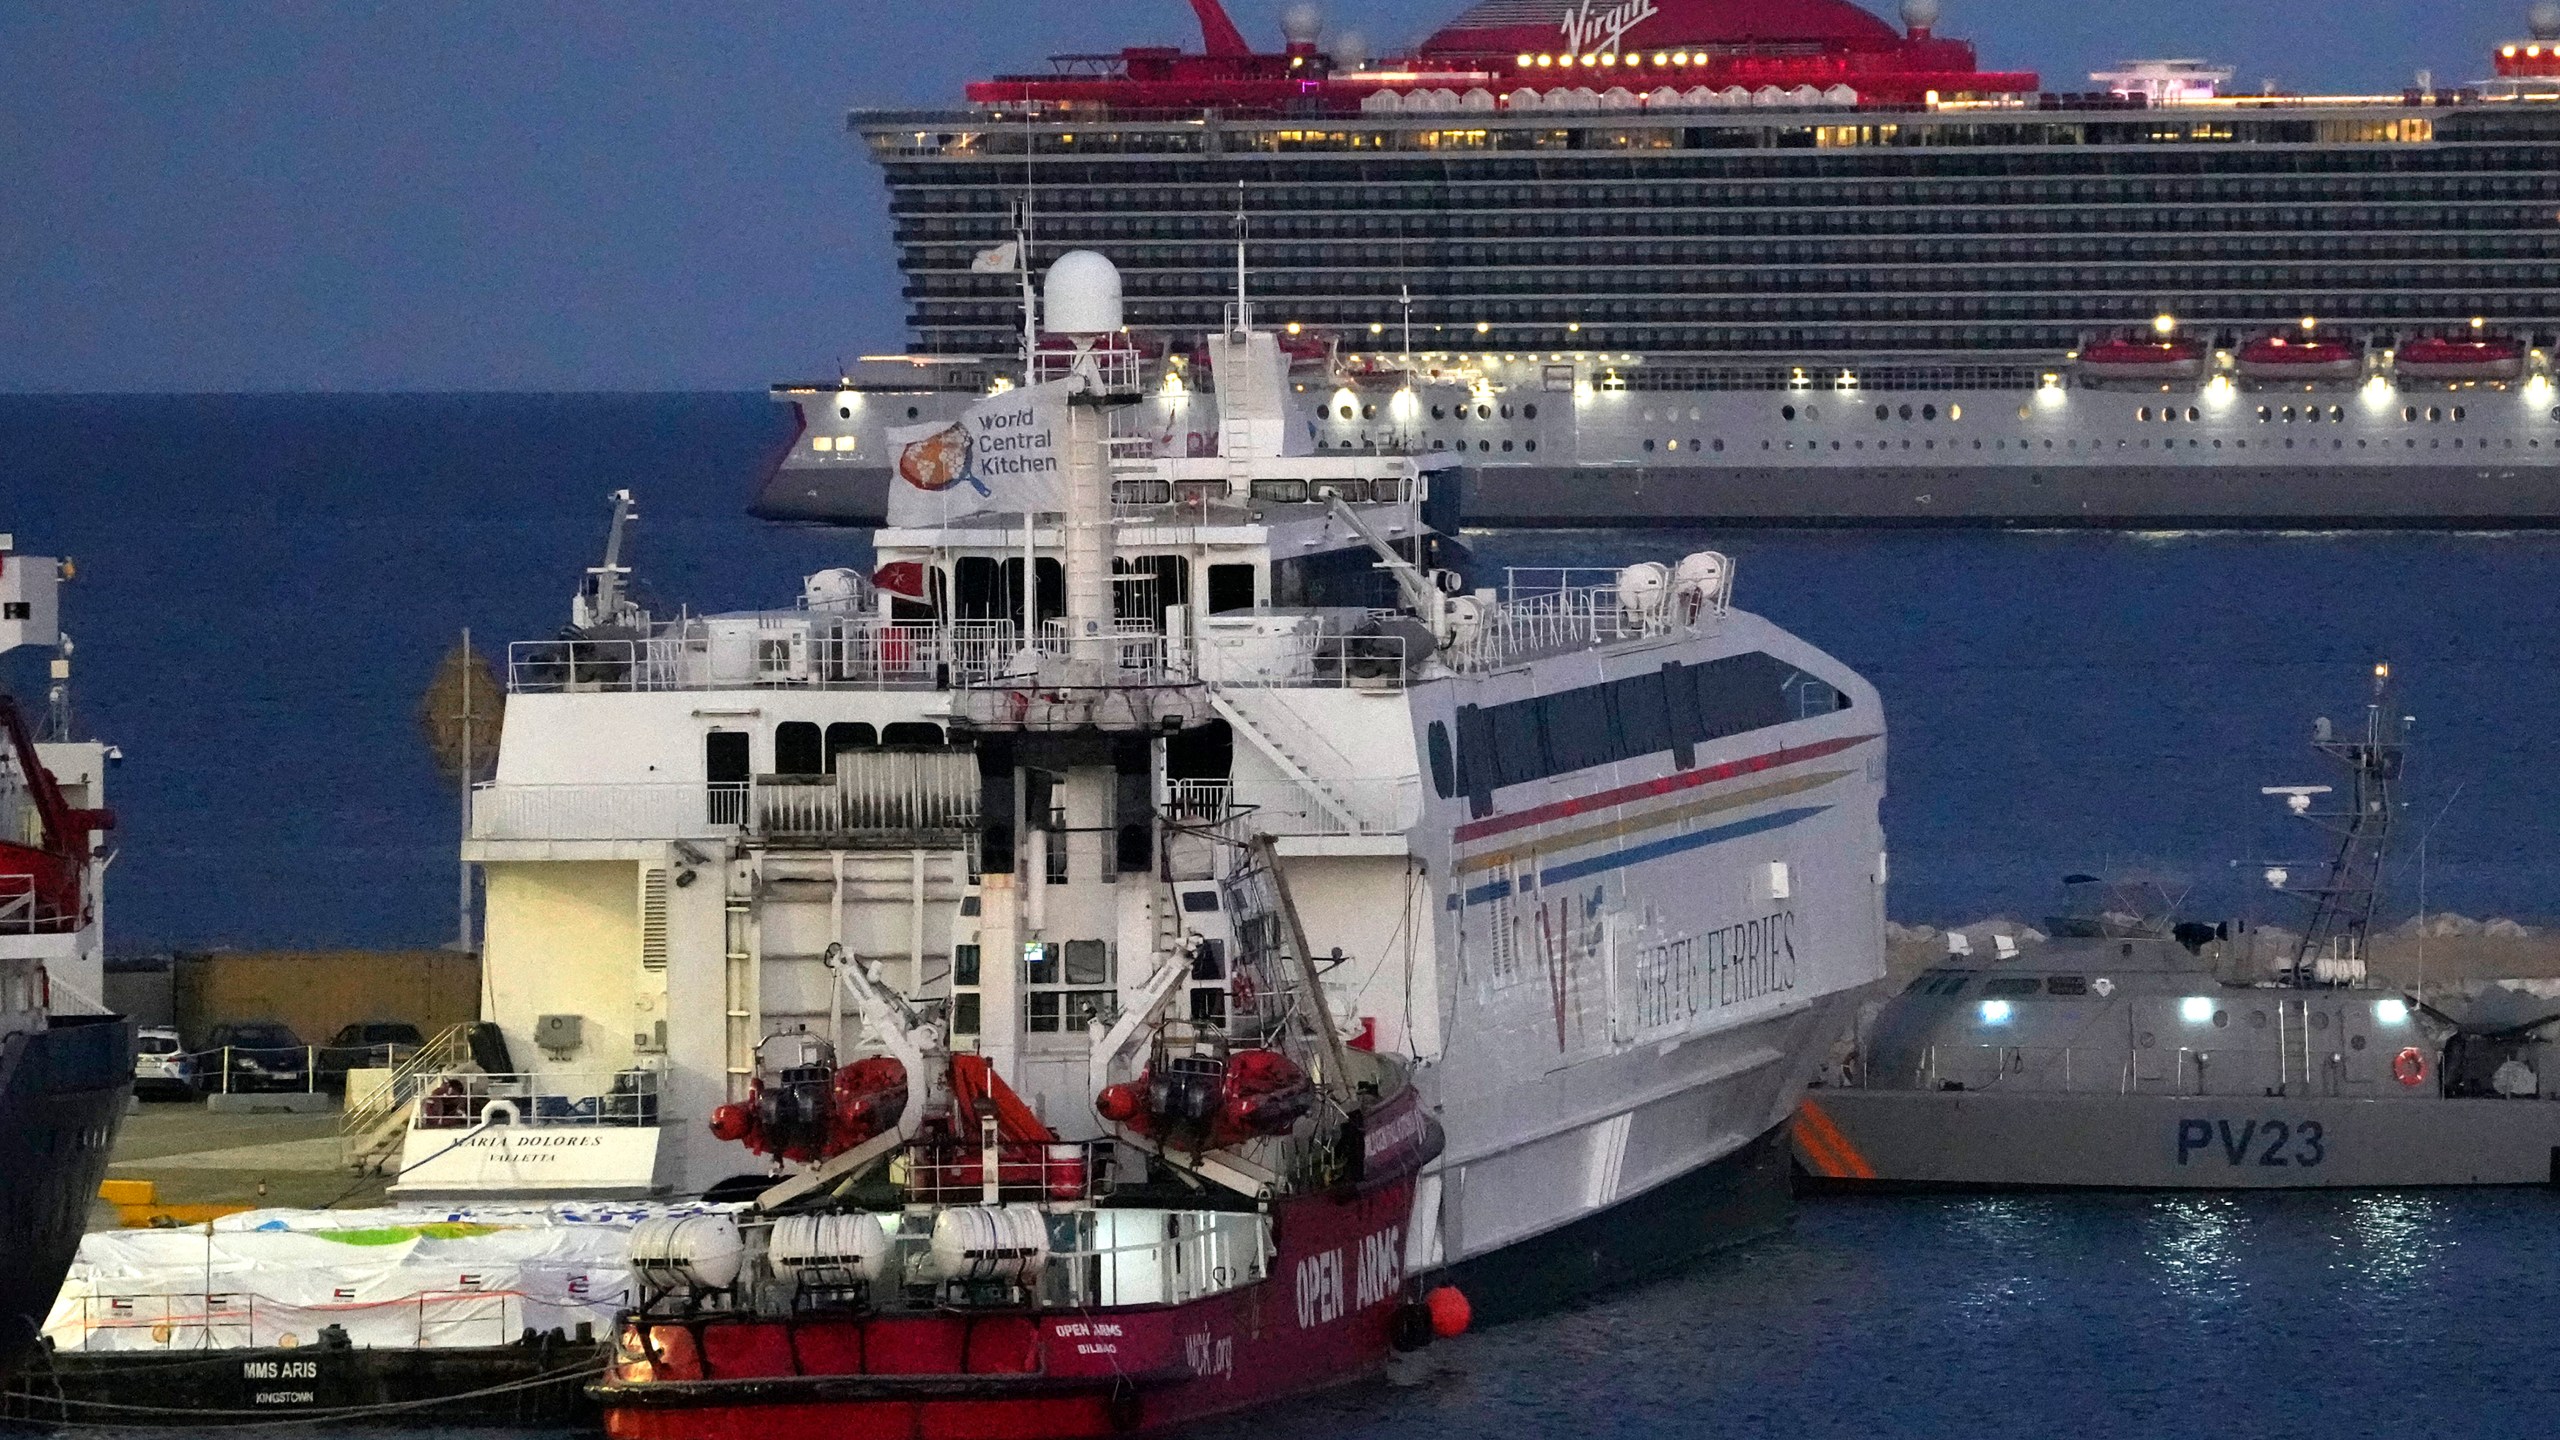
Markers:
1649,820
1651,850
1643,790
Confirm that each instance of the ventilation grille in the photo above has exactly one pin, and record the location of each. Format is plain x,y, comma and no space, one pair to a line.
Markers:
653,919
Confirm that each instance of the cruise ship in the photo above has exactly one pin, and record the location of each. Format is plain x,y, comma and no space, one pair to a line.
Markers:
1776,263
1115,764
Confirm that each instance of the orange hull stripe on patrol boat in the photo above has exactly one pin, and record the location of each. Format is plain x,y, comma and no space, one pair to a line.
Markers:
1820,1120
1821,1158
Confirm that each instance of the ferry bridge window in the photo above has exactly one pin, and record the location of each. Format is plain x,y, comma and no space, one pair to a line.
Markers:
1633,718
798,749
1230,588
911,732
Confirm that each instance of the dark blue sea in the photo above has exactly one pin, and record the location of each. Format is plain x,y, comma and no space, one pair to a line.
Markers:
2258,1317
266,583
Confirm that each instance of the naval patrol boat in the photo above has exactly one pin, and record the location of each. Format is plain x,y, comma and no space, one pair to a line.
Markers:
2137,1052
1174,852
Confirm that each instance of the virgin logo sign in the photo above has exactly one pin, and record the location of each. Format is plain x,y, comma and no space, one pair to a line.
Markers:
1589,30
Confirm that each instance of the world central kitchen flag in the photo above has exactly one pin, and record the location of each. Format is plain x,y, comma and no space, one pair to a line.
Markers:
1007,453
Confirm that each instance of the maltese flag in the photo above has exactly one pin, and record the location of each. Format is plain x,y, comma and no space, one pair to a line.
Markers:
902,578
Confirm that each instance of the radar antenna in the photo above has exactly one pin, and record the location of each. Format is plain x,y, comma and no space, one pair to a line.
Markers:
2344,903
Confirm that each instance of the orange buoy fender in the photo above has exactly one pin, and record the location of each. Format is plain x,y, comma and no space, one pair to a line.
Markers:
1450,1312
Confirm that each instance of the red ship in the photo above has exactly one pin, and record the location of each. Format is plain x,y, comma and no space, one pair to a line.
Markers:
1518,54
949,1267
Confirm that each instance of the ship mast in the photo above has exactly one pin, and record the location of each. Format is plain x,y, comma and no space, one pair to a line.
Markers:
2344,903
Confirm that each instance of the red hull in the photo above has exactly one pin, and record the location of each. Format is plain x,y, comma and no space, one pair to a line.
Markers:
1321,1319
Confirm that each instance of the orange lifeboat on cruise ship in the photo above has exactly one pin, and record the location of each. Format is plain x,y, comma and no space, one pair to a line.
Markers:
2164,361
2486,357
2293,359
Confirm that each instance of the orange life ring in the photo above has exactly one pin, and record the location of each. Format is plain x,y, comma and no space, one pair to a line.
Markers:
2409,1066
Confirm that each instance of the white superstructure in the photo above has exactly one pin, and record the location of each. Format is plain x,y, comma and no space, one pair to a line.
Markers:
1598,851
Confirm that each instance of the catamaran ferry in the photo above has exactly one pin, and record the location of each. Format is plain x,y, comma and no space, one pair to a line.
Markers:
1154,876
1777,262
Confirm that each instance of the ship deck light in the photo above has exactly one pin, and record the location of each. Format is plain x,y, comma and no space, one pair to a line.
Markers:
1995,1012
2391,1010
2164,324
2195,1009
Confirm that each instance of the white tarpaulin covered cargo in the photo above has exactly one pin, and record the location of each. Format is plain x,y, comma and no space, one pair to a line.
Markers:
444,1276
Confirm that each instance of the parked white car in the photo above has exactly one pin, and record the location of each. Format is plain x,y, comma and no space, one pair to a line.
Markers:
161,1065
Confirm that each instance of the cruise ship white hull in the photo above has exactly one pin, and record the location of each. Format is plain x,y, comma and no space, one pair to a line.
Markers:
1571,452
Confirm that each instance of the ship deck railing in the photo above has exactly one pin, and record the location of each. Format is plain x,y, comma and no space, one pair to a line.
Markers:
1545,611
906,794
1120,1258
108,1317
791,651
2119,1069
1385,804
456,1100
23,912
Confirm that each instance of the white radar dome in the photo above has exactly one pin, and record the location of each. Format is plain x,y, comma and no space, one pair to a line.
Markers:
1920,14
1350,50
1081,295
1301,24
2544,19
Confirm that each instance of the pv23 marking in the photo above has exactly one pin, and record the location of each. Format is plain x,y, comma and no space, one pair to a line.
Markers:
2274,1144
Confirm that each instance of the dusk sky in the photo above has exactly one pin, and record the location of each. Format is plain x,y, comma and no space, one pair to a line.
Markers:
513,194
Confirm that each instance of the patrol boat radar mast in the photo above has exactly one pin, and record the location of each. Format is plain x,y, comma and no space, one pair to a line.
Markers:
2332,948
